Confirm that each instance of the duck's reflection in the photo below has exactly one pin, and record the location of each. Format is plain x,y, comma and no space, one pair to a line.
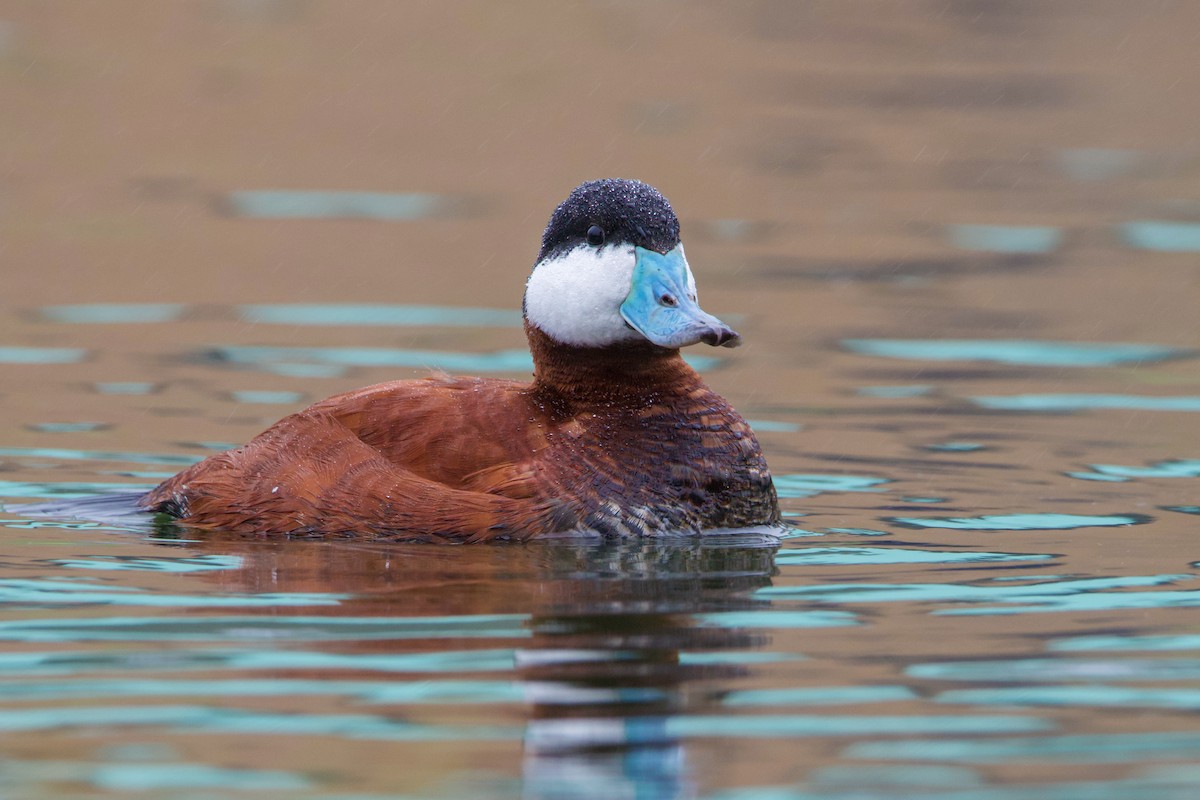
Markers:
621,641
612,658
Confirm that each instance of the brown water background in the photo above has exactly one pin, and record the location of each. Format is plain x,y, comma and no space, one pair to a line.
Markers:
832,164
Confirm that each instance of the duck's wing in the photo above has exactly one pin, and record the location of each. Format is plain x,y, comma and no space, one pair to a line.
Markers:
406,460
444,428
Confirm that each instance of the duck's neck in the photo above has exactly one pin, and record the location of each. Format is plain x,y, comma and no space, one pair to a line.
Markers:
634,372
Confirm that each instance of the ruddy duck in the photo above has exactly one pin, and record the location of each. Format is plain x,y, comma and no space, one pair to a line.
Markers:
615,435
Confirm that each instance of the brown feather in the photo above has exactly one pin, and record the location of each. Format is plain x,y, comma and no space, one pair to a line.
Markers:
623,440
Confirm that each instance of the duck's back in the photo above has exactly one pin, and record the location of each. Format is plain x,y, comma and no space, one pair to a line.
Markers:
435,458
473,459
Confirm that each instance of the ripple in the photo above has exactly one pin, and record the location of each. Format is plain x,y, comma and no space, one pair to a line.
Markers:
262,628
1058,595
811,556
1087,402
1021,522
201,719
1161,235
363,691
377,314
51,592
820,696
806,485
778,619
202,563
1050,670
1081,749
67,427
1164,642
1005,238
264,357
64,454
1023,352
828,725
155,777
288,204
90,663
67,489
1178,468
41,355
1098,696
121,313
266,397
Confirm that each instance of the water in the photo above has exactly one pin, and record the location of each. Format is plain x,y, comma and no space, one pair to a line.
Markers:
959,238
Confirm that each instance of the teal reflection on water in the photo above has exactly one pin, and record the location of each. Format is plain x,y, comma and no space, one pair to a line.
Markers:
778,619
1095,476
1005,238
67,488
125,387
159,777
146,777
1087,402
114,312
1093,602
858,531
903,782
1021,522
202,563
737,657
1183,641
202,719
1023,352
266,397
901,778
303,370
292,204
1059,595
363,691
896,392
52,592
1180,468
1051,670
1099,695
830,725
64,454
216,659
41,355
498,361
820,696
1096,748
955,447
271,628
377,314
773,426
1096,163
812,556
805,485
1162,235
67,427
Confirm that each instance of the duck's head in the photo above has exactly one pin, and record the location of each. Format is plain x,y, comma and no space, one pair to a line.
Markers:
611,271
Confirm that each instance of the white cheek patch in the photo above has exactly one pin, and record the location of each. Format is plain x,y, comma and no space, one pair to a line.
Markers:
691,279
576,298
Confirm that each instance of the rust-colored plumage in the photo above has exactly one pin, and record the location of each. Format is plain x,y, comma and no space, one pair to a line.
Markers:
633,444
621,439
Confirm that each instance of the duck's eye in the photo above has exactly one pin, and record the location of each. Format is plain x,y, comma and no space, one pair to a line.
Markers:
668,300
595,236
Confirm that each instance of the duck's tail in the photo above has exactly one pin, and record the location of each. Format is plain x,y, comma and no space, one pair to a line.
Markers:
116,508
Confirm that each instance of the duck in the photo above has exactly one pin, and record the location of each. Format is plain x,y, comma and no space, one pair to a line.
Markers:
616,435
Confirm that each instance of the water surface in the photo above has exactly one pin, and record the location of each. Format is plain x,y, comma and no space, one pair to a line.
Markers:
959,239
